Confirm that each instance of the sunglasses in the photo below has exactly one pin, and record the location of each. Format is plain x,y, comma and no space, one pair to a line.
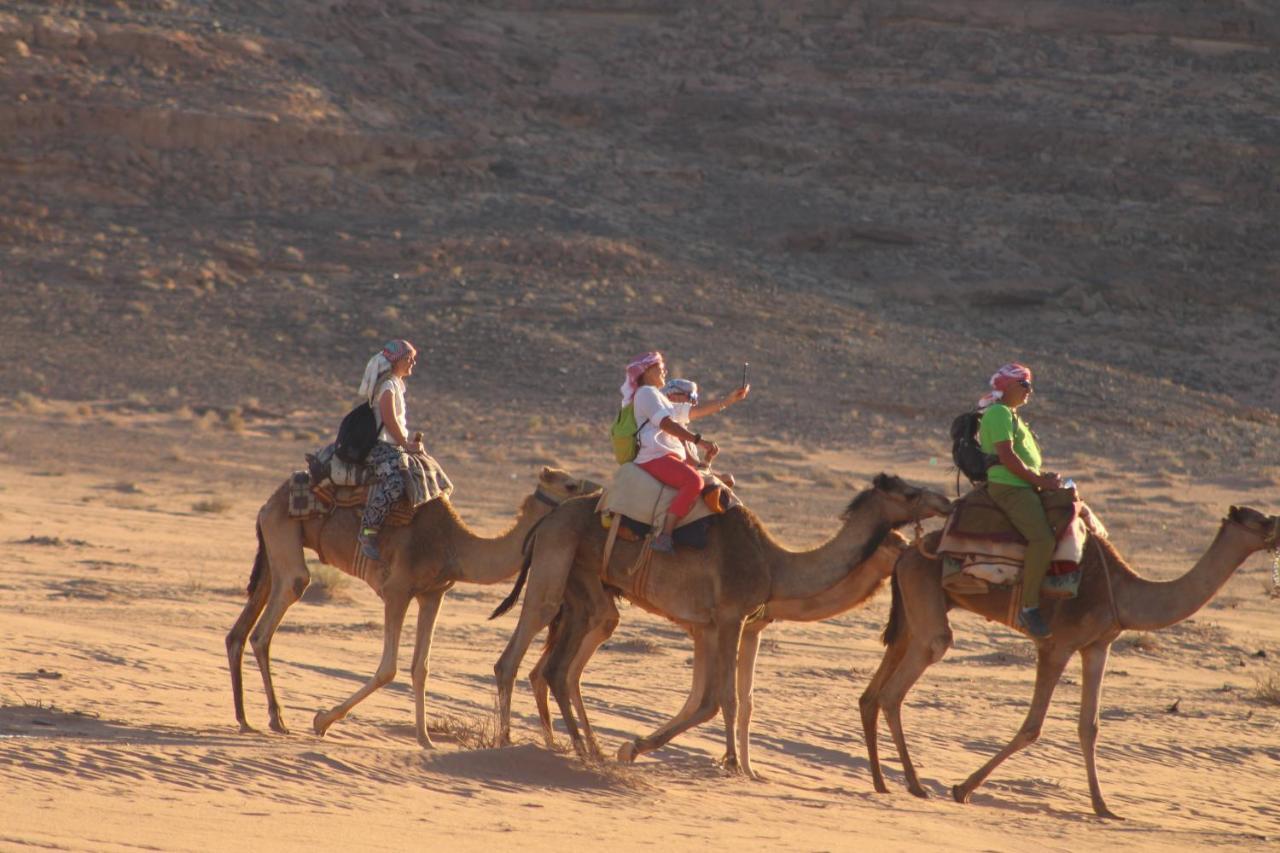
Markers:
1025,384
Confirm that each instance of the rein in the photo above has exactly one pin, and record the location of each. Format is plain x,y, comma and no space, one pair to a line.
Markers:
919,529
1106,576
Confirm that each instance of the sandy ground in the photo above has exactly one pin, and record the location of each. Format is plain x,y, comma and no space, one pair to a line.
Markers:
117,732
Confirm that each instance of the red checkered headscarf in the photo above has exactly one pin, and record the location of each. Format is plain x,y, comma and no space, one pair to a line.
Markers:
1002,379
635,369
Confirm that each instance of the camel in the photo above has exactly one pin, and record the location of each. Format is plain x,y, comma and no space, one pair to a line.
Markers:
712,592
1112,599
582,626
421,560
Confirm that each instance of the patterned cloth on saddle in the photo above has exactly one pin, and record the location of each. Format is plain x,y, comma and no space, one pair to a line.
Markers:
979,542
331,483
642,502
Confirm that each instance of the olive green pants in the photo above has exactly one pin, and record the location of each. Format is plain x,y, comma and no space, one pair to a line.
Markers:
1024,509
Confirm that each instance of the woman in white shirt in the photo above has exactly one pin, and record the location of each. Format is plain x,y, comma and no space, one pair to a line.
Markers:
662,452
383,387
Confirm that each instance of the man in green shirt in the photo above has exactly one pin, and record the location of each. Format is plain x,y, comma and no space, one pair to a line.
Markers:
1015,481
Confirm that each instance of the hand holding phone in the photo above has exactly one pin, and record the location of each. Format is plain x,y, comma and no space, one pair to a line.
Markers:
745,365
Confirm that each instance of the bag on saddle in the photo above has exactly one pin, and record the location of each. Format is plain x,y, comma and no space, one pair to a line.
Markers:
357,434
625,435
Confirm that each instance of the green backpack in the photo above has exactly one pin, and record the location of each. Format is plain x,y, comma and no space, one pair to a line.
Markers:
625,435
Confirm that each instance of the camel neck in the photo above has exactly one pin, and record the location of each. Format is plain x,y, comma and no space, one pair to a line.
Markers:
485,560
806,574
1146,605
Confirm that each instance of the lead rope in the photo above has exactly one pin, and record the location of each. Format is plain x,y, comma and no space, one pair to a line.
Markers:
1106,576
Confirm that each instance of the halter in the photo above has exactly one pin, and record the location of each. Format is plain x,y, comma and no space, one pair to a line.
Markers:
917,520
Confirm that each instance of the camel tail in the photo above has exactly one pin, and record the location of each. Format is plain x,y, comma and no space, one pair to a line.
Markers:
510,600
894,625
259,564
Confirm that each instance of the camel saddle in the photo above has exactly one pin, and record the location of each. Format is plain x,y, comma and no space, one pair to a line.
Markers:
636,495
307,500
979,542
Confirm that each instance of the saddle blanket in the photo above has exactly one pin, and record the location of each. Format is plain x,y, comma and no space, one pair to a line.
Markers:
634,493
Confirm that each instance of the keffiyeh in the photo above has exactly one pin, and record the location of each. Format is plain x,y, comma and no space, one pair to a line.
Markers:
635,369
1011,373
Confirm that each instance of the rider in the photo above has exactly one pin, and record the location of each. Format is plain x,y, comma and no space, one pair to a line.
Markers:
1015,482
662,452
683,394
383,386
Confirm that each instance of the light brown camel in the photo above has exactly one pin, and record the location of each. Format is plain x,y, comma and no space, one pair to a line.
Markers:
1112,599
578,630
421,560
711,592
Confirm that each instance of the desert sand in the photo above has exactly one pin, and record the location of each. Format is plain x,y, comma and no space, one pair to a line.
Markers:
116,727
213,211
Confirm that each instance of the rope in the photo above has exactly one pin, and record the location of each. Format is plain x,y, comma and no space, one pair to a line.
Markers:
1106,575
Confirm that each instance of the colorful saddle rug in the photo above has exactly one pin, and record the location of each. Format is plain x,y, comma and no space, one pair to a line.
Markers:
308,501
980,546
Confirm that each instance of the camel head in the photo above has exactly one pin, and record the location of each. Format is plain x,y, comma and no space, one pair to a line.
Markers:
555,486
1265,527
902,502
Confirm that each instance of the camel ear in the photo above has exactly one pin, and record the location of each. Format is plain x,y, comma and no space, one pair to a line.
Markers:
881,481
544,474
1234,513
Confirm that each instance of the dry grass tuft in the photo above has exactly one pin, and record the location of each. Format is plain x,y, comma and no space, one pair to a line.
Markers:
29,402
328,585
1140,642
212,505
1267,689
234,420
467,732
637,645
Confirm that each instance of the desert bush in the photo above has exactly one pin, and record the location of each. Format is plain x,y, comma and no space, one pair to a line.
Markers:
1267,689
29,402
328,585
234,420
212,505
1143,641
467,732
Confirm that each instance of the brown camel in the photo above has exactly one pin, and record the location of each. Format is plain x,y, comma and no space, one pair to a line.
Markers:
421,561
578,630
1112,599
712,591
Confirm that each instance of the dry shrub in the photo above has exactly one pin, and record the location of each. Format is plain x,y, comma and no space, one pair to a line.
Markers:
207,421
29,402
1266,689
467,732
637,645
212,505
125,488
1140,642
138,399
305,435
328,585
234,420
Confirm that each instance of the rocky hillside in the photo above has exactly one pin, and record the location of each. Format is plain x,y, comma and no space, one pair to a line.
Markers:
232,202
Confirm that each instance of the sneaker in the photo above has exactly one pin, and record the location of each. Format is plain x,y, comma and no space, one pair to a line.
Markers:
368,540
662,542
1031,619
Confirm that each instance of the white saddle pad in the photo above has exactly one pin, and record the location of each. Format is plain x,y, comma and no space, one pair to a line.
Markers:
637,495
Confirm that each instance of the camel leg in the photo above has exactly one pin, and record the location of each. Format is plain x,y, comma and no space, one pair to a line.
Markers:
575,650
869,705
290,577
547,578
729,640
428,610
1093,661
237,637
395,605
747,652
1049,666
699,707
538,679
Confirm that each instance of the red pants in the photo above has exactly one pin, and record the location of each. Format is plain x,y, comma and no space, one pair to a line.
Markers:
681,476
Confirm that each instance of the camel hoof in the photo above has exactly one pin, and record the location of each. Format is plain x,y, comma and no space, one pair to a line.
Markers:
1106,813
881,787
320,725
959,794
425,741
279,727
917,791
627,752
246,729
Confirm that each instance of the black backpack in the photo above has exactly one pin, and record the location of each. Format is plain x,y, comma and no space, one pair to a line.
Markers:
966,452
357,434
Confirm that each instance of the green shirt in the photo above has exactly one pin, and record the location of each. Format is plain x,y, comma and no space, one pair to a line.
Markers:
998,425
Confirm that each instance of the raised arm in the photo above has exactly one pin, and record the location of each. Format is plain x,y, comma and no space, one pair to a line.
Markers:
711,408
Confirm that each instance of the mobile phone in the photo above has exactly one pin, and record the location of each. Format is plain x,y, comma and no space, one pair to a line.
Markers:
745,365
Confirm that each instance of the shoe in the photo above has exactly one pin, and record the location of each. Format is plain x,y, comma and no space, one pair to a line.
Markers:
1031,619
368,540
662,543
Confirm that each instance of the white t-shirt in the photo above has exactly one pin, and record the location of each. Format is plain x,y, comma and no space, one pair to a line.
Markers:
395,385
651,406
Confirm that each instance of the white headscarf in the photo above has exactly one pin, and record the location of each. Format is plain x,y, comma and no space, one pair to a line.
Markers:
381,362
